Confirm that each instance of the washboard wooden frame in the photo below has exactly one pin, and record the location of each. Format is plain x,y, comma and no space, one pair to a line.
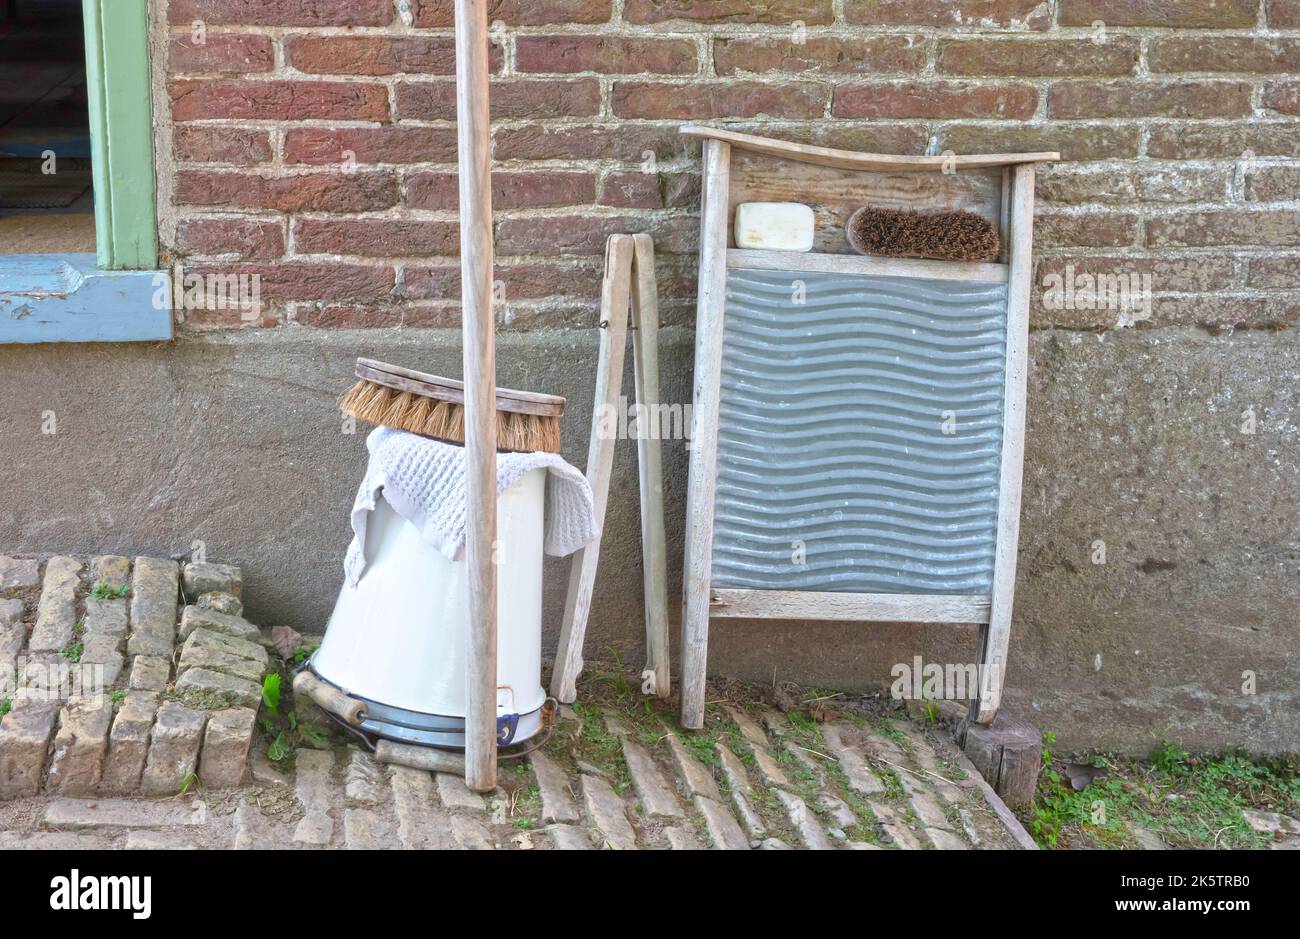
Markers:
1003,187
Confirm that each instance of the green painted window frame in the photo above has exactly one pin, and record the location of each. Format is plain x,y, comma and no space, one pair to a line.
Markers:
121,133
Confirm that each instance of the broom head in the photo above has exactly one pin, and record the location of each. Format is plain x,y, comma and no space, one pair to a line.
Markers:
942,236
434,407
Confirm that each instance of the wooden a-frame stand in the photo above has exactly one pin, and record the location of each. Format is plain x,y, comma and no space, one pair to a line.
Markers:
629,276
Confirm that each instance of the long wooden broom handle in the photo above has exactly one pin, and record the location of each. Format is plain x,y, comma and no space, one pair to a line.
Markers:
474,154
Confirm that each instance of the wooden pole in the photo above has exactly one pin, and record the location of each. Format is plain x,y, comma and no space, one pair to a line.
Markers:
615,290
474,154
997,635
698,562
645,374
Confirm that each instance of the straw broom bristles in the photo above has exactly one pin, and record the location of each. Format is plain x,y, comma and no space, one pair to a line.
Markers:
403,410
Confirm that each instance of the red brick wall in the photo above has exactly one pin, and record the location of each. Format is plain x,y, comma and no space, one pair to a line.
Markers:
1178,121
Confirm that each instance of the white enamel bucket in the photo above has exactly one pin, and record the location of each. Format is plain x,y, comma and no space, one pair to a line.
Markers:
397,639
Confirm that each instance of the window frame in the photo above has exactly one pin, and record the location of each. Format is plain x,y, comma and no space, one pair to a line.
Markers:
121,133
116,294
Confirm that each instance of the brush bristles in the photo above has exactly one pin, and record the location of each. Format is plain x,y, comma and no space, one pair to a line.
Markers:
401,410
944,236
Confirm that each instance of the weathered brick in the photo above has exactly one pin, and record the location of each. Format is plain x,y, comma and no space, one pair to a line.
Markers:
613,55
859,775
126,813
1225,312
218,689
1085,229
1274,272
277,100
530,280
309,192
364,781
964,14
1225,54
438,13
237,657
56,613
226,739
155,588
377,55
724,832
150,673
772,12
1073,184
704,100
637,190
112,569
375,238
24,739
220,602
1046,57
1181,141
607,814
281,12
512,98
1283,14
510,190
584,234
200,577
19,572
173,748
79,746
454,794
935,99
1072,141
201,616
1197,274
1183,14
362,145
390,316
1283,97
870,55
309,280
1091,100
1276,227
553,787
220,52
245,238
319,796
128,743
1181,184
103,652
630,142
238,146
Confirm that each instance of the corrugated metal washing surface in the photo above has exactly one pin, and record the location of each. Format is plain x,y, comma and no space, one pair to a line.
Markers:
860,427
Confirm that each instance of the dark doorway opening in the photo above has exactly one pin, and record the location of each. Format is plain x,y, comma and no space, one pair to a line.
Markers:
46,204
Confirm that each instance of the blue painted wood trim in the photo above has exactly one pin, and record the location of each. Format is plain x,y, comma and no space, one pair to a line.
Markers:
68,298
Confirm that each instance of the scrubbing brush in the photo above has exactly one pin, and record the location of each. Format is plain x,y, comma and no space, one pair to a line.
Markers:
433,406
942,236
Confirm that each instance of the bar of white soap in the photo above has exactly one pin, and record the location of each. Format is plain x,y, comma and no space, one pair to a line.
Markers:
774,226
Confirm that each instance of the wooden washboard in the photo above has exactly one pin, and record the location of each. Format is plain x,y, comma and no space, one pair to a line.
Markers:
858,425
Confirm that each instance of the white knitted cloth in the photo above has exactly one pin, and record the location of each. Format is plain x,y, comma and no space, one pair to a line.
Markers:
424,481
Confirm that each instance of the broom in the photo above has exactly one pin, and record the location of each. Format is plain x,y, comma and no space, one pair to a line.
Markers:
433,406
945,236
